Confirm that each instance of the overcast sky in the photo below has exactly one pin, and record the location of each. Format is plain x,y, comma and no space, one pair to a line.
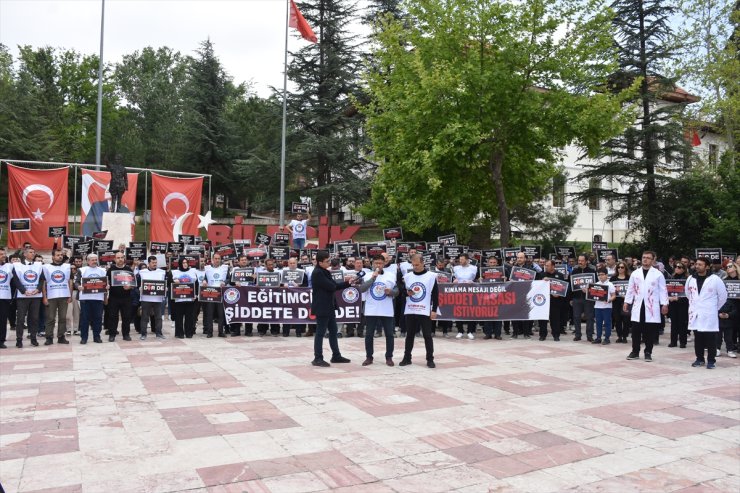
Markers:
248,35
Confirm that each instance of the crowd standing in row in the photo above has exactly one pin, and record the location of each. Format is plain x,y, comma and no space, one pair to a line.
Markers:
40,298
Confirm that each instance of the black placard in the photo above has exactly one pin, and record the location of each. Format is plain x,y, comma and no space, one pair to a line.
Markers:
443,276
293,277
262,239
100,246
492,274
565,251
268,279
597,292
182,291
603,252
733,288
94,285
510,254
496,252
372,250
620,286
337,275
713,254
175,248
227,251
242,275
435,247
395,233
281,238
558,287
158,247
19,225
447,239
279,252
298,208
599,245
199,250
580,281
532,251
137,244
256,253
210,294
522,274
348,250
70,240
100,235
57,231
122,278
186,239
107,257
428,258
676,287
453,251
153,287
82,248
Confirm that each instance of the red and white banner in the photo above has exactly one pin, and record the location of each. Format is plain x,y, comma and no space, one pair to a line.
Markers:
175,207
96,200
40,195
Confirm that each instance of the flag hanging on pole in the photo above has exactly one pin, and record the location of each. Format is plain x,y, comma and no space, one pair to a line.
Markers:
297,21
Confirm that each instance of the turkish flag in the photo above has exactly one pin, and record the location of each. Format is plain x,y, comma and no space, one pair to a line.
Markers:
40,195
96,199
175,207
297,21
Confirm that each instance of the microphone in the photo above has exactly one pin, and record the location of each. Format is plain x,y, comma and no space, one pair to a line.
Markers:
359,276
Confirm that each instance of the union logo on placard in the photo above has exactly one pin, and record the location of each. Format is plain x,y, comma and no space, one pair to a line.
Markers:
231,295
377,291
30,276
58,276
419,291
539,299
350,295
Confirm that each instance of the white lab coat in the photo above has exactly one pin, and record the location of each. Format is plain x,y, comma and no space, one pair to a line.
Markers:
649,290
704,306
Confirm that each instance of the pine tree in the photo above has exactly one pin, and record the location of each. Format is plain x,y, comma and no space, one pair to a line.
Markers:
327,144
633,164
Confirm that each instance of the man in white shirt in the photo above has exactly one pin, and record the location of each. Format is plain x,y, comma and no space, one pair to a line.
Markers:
151,305
297,228
465,272
57,294
91,304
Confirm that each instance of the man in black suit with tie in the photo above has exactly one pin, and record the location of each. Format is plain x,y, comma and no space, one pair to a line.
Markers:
322,307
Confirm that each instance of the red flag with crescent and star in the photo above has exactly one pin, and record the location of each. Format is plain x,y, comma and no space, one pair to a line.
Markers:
40,195
175,207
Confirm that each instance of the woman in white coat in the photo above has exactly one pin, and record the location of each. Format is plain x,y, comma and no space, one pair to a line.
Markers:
647,298
706,293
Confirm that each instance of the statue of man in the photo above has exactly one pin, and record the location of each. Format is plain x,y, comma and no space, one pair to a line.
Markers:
118,182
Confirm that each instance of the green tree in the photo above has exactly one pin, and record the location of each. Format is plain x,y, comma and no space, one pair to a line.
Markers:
634,166
327,144
473,101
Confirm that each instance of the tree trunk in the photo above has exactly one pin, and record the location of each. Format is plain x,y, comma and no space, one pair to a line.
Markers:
496,164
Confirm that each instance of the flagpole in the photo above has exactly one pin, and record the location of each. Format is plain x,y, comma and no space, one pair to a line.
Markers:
285,112
100,89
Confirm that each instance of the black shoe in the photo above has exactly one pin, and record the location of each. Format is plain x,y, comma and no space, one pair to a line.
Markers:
488,336
19,343
180,337
404,362
633,356
221,334
126,338
498,338
49,341
98,340
594,341
111,338
682,346
577,338
672,345
542,338
209,335
83,341
339,335
34,342
648,357
249,334
3,346
339,359
527,336
286,335
320,362
556,339
515,336
297,334
430,364
590,339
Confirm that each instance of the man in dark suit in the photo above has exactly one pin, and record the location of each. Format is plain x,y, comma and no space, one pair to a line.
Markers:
322,307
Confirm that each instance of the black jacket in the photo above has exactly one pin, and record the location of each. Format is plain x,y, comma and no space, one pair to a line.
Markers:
323,288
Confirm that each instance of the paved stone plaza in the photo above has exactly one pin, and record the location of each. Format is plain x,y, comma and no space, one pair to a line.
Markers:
251,415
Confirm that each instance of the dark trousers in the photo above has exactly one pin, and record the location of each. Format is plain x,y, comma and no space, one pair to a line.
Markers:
236,329
119,307
444,325
27,315
492,327
211,310
324,324
91,315
621,320
644,332
679,326
708,341
583,306
414,323
471,327
274,328
556,310
184,318
376,323
4,309
299,329
522,327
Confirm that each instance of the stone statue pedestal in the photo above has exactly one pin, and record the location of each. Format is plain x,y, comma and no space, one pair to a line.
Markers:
118,225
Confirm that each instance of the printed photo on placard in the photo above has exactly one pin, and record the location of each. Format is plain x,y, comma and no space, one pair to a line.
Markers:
256,253
156,247
268,279
562,269
676,287
372,250
580,281
182,291
153,287
210,294
262,239
107,257
510,254
94,285
599,245
243,275
558,287
492,274
100,235
227,251
620,287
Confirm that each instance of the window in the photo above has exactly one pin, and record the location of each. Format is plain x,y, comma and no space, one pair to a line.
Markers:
594,201
558,191
713,151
